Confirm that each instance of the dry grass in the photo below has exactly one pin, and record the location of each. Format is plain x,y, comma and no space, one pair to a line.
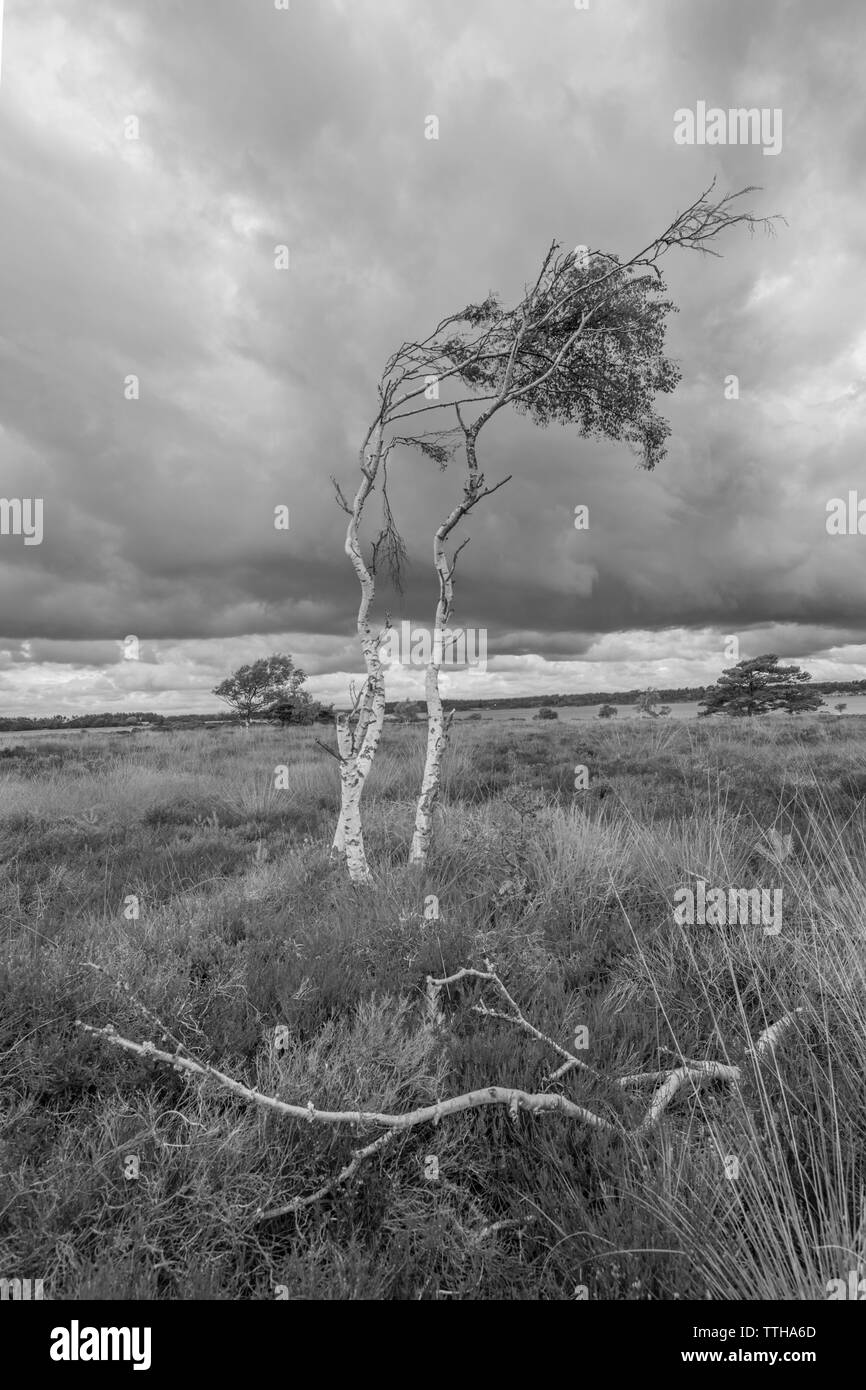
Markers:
243,925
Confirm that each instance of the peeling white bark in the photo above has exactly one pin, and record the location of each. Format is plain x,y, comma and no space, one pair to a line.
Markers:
348,838
358,731
437,725
437,737
338,848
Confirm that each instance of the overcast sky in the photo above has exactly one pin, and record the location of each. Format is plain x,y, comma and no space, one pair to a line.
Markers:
257,127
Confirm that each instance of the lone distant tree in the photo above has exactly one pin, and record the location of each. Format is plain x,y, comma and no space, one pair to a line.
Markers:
646,704
547,713
841,707
253,688
300,709
608,712
406,712
759,686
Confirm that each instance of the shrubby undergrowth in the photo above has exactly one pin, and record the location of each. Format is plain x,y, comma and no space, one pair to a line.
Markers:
243,925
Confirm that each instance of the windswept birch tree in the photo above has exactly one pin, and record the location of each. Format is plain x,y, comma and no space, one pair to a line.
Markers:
584,345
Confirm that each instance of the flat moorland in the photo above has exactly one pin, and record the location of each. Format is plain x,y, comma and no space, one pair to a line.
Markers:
173,863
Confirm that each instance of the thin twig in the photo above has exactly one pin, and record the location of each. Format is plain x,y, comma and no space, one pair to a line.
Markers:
358,1157
332,751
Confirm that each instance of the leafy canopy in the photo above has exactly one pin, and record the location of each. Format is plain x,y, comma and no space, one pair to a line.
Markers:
758,686
253,688
590,351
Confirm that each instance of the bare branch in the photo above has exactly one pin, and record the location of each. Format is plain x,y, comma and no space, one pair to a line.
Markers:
332,751
513,1098
340,497
344,1175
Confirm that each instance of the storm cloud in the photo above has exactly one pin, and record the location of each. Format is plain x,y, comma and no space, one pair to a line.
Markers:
154,156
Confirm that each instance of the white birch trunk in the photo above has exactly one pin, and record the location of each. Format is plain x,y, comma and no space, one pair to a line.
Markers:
352,786
356,745
437,725
437,735
338,848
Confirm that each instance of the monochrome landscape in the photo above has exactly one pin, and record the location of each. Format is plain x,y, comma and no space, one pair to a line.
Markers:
432,652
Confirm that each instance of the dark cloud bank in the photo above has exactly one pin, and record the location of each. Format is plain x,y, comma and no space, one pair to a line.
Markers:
154,258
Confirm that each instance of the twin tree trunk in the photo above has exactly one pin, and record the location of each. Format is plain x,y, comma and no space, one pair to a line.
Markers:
356,746
357,742
584,345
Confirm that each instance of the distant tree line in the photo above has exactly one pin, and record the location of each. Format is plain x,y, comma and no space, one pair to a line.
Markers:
19,722
290,704
117,718
693,693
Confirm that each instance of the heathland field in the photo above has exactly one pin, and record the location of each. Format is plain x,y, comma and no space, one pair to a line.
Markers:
170,861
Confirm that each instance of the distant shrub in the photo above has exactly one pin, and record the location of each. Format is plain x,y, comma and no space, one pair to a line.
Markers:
301,711
547,713
407,711
608,712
